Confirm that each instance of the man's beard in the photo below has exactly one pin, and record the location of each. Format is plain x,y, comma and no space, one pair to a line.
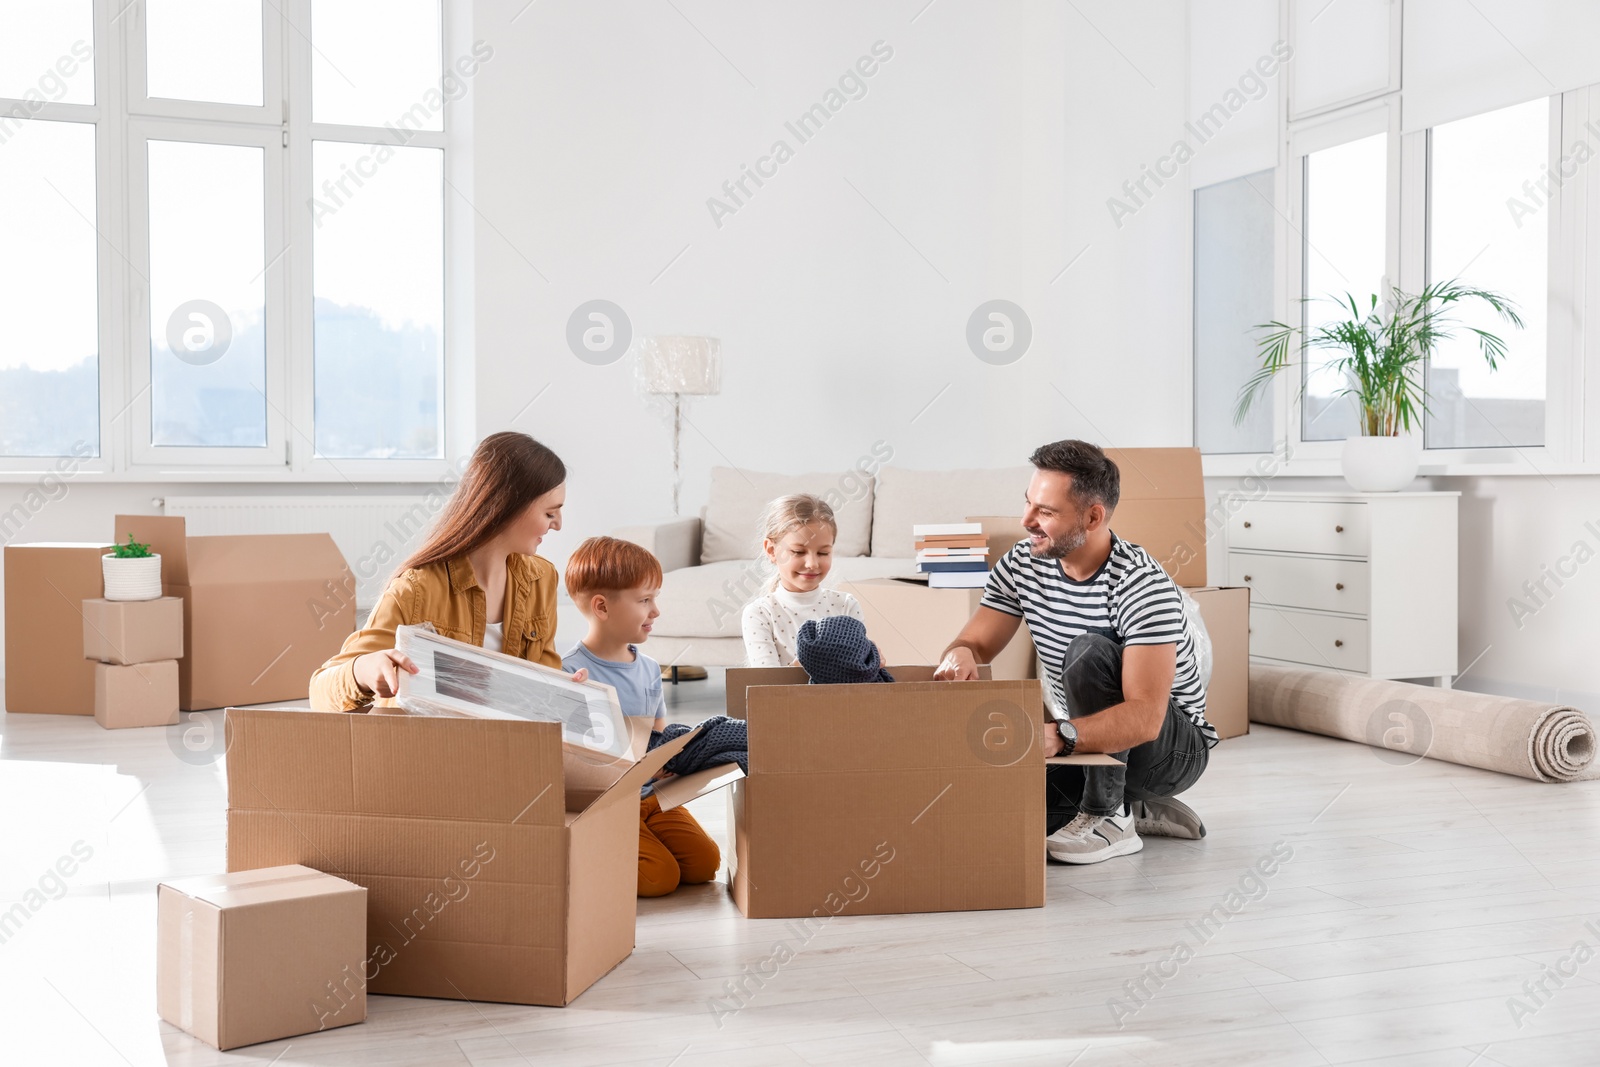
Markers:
1064,545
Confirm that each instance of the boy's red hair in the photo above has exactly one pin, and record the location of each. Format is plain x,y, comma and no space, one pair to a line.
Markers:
610,565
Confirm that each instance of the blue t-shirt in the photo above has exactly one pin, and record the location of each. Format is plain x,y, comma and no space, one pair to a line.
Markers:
638,684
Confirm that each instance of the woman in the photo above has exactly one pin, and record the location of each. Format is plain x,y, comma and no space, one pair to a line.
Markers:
476,577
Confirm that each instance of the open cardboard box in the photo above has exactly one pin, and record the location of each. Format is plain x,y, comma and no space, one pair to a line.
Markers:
260,611
907,796
500,864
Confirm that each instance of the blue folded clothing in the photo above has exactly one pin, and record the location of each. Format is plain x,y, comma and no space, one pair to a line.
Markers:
721,740
836,651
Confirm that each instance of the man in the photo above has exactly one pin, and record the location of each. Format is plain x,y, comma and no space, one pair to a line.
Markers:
1117,653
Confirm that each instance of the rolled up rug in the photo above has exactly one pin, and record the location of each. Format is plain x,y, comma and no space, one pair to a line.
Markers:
1527,738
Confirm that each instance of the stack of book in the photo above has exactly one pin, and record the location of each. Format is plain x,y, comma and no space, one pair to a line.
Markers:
954,555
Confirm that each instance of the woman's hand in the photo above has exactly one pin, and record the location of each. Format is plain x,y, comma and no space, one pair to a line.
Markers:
378,673
581,674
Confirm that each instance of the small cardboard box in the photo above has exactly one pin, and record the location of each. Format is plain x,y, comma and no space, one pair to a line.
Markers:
260,611
260,955
1226,612
46,585
500,866
911,796
133,631
911,623
136,694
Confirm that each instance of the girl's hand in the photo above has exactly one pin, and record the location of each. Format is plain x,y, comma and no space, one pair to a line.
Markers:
378,673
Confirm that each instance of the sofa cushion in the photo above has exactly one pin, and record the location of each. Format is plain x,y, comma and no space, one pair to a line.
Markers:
708,601
905,498
738,498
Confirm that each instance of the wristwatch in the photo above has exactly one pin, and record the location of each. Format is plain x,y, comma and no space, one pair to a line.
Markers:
1069,736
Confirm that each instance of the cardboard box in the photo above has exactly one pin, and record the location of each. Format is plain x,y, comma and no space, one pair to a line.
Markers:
133,631
1163,508
260,611
46,585
260,955
912,796
138,694
499,865
911,623
1226,612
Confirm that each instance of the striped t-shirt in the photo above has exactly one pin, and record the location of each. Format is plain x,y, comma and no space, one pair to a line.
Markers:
1130,595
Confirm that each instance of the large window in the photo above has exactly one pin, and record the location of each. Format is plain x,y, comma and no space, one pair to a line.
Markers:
1343,259
1485,230
1233,242
267,183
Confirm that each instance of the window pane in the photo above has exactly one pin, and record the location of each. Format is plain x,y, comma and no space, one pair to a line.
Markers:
50,360
1344,253
1232,295
207,295
46,52
1479,236
206,50
368,71
378,299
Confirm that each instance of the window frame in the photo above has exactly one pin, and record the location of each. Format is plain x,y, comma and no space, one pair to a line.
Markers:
122,117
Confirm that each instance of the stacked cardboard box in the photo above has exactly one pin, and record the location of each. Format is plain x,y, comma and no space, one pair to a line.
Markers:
135,646
954,555
46,583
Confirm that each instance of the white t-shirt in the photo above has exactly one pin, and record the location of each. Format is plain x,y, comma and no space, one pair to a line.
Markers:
772,622
494,636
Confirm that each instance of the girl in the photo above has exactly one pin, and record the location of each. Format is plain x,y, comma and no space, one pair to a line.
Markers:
798,532
475,576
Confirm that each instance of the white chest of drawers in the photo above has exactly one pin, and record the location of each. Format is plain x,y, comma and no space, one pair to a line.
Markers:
1362,583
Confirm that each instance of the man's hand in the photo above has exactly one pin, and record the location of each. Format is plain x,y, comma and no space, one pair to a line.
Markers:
958,665
1051,739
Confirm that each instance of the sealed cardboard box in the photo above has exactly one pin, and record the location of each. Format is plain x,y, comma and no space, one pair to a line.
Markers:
136,694
1226,612
260,611
260,955
911,623
500,864
911,796
1163,508
46,585
133,631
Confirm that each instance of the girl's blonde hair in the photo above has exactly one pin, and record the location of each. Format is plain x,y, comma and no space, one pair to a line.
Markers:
787,514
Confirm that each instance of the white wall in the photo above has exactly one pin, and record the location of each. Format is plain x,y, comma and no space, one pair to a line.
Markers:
990,141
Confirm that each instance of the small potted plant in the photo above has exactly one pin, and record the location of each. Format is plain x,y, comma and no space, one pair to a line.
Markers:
132,571
1382,351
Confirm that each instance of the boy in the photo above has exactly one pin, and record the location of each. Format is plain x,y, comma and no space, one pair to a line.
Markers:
615,584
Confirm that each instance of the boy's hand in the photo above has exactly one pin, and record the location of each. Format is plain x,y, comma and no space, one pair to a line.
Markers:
378,673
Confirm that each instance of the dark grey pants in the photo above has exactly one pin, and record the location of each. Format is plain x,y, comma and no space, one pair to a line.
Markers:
1091,674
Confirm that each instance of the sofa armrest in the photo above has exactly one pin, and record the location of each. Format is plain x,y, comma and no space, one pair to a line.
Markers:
676,543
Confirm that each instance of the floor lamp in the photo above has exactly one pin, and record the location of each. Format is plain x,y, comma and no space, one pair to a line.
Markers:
680,367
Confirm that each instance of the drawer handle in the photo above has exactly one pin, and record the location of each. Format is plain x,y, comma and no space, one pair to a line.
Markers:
1338,529
1247,524
1337,585
1337,643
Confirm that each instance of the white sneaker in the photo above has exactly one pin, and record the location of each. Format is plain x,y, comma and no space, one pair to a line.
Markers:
1167,817
1093,838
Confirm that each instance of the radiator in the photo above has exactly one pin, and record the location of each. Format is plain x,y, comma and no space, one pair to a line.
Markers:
374,533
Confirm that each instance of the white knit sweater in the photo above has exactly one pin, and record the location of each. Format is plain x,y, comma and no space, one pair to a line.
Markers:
772,622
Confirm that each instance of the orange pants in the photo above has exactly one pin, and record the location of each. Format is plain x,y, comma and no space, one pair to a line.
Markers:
674,850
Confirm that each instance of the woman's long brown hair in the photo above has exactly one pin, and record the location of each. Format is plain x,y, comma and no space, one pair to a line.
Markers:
508,472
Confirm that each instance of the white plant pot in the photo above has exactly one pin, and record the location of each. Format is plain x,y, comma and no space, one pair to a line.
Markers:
132,579
1380,464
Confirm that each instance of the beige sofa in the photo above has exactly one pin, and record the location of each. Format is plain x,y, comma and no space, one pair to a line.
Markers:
713,565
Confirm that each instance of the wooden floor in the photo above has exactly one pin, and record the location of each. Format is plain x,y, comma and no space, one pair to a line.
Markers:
1417,903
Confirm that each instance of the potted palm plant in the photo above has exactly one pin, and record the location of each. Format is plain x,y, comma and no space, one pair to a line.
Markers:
1381,352
131,571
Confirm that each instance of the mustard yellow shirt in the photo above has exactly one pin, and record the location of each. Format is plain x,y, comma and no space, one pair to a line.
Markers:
448,595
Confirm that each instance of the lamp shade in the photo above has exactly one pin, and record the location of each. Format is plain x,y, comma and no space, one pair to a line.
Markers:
688,366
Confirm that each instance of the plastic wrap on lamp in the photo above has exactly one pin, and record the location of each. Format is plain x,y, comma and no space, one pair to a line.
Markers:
686,366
